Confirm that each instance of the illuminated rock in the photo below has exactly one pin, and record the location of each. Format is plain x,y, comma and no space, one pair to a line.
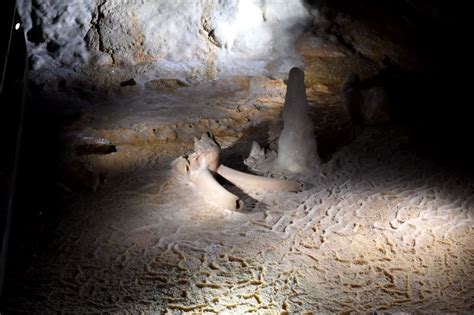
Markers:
297,148
198,168
203,39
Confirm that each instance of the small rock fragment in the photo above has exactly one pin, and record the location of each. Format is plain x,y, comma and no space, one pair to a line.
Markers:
130,82
92,145
166,85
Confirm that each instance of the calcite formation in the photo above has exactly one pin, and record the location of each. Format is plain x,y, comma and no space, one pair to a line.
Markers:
199,168
297,148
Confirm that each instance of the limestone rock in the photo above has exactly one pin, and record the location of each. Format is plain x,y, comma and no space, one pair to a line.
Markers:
93,145
297,148
166,85
203,37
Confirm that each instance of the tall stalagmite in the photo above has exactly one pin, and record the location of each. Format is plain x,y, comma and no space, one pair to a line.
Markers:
297,148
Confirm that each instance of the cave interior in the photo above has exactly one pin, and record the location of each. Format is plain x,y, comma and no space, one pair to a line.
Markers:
241,156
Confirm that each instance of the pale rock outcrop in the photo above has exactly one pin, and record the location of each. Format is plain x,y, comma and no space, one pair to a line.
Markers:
203,39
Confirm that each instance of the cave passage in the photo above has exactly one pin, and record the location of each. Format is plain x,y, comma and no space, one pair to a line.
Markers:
382,219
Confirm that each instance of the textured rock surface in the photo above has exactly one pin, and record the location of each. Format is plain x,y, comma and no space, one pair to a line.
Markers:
381,228
165,84
207,38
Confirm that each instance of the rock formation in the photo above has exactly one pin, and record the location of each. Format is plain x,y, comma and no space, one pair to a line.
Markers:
199,168
200,37
297,148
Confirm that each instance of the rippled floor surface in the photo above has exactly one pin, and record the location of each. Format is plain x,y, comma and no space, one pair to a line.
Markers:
380,228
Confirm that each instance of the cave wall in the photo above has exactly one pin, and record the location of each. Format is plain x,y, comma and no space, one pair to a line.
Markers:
203,38
103,43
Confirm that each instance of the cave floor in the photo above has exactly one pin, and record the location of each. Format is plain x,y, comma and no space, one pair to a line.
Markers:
380,228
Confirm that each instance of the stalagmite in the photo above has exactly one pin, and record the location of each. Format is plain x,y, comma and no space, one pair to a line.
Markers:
257,183
198,169
215,193
297,148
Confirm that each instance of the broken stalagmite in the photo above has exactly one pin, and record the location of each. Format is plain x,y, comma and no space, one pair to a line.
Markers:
199,168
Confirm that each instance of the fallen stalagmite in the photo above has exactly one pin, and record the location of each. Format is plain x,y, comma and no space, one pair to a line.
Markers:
257,183
198,169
